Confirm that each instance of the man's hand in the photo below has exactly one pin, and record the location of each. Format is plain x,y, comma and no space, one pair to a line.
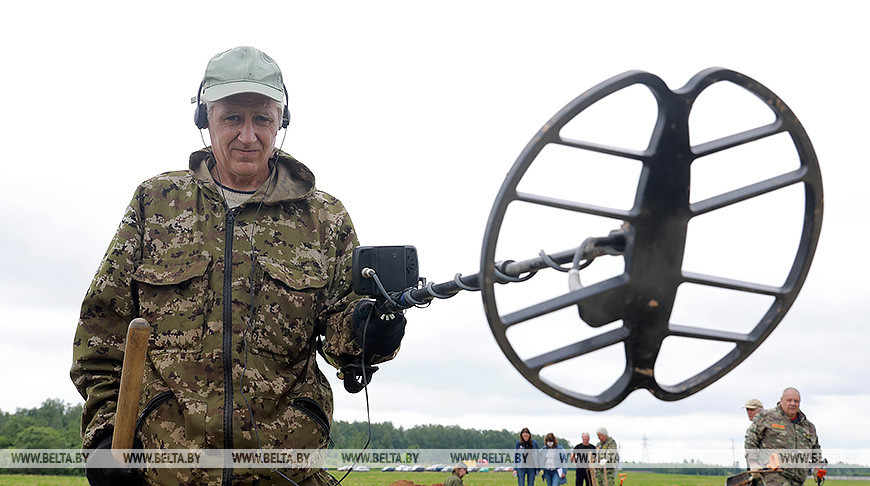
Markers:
774,462
377,333
112,476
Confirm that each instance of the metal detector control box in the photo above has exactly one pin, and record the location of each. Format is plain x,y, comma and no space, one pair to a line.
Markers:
396,266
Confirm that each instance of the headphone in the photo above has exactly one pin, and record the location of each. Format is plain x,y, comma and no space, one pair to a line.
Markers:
200,116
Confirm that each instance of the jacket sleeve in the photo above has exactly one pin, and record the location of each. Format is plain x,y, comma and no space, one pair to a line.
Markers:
98,346
752,443
815,441
613,458
340,346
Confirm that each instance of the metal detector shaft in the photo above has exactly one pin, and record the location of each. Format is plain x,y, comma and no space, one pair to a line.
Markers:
513,271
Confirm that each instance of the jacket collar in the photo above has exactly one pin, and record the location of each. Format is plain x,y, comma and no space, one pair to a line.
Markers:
800,415
289,179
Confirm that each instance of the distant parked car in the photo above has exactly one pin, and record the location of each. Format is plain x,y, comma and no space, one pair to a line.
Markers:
435,467
387,469
360,468
345,467
447,469
418,468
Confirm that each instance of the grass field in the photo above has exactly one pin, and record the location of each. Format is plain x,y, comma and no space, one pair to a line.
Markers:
377,478
32,480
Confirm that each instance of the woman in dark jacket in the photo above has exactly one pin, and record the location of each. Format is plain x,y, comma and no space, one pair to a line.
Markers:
525,459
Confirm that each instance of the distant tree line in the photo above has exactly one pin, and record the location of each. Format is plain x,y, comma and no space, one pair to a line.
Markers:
353,435
52,425
56,425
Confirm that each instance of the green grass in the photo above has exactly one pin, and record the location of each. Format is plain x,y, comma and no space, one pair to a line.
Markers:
377,478
34,480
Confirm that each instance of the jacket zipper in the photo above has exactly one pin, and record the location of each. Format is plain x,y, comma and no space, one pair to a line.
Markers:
227,339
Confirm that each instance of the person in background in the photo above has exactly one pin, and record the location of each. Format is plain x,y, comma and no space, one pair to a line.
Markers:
753,406
783,427
455,478
525,459
606,459
581,460
552,461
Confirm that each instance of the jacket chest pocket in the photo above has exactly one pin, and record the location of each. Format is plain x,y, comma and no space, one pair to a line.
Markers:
173,298
288,302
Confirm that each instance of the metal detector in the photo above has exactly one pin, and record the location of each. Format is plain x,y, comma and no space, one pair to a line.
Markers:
650,237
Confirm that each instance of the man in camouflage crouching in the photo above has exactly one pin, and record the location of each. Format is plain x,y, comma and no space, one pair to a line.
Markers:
783,430
243,270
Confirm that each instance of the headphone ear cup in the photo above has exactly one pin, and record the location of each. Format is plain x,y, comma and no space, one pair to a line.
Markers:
200,116
285,119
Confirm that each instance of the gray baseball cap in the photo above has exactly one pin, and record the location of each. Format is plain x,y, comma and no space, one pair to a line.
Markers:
242,70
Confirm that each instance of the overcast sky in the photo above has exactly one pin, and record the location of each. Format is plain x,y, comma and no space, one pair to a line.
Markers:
412,113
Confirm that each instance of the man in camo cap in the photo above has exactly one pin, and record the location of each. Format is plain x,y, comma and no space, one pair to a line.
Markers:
753,406
242,267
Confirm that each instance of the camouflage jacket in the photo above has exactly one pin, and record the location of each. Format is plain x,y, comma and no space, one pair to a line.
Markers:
772,429
233,333
453,480
606,454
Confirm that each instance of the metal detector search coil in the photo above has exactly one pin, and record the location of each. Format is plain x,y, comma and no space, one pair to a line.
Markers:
651,240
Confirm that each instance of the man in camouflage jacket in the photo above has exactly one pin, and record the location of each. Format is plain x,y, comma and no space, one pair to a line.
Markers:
606,459
785,430
241,289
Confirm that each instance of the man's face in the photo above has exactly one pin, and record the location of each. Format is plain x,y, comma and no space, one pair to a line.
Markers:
752,412
585,439
601,437
462,472
243,129
790,402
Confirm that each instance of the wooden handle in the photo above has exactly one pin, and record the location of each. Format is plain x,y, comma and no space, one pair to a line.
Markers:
132,373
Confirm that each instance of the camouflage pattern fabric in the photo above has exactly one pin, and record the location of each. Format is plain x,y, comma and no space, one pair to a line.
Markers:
185,263
453,480
778,479
605,473
772,429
